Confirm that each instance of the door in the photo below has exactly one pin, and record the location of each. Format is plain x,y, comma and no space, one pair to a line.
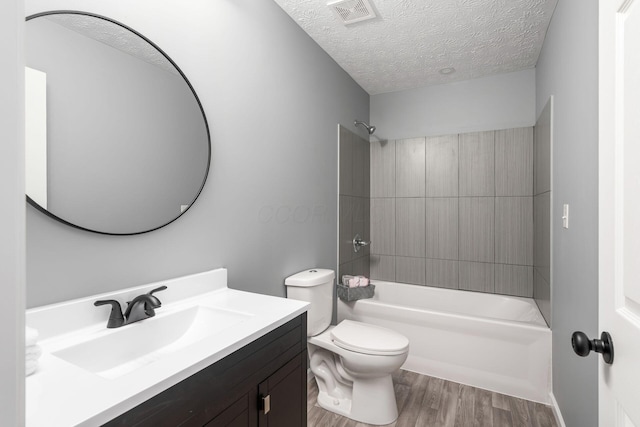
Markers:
619,211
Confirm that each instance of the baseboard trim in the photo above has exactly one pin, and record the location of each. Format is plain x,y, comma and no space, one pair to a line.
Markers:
556,411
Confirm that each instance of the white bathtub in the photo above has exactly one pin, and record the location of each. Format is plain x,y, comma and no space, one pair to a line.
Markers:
495,342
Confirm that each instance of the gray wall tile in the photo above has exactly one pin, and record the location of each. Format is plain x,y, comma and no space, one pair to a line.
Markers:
542,147
514,162
542,151
441,273
441,166
348,268
354,209
476,233
441,228
383,226
366,266
383,168
361,223
383,267
367,226
542,295
514,280
514,230
455,237
346,162
542,234
410,167
477,164
361,267
361,207
410,270
361,165
476,276
410,227
345,232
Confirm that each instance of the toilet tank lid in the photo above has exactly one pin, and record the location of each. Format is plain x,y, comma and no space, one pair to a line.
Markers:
311,277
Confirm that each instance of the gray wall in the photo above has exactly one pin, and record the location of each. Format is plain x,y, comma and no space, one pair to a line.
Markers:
455,211
12,221
568,70
126,140
273,99
354,214
502,101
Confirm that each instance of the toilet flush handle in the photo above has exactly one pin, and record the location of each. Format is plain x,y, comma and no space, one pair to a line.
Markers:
358,243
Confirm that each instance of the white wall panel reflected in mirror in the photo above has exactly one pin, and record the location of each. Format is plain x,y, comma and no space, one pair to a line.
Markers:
36,135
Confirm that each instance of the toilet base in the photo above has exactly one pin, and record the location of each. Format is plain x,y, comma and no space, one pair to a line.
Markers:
355,385
373,401
333,404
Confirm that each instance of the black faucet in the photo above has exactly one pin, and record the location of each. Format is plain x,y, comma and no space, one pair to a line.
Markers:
141,307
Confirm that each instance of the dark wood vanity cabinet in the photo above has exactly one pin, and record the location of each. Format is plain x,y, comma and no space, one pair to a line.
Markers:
261,385
286,391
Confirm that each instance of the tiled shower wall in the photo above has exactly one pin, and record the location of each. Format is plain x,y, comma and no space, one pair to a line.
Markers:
455,211
542,212
354,203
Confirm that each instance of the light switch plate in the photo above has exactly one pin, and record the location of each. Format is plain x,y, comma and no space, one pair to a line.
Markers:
565,216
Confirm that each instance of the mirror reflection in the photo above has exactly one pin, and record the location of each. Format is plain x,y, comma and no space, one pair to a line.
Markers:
117,141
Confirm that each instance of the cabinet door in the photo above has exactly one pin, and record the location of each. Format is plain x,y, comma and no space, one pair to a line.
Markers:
285,395
239,414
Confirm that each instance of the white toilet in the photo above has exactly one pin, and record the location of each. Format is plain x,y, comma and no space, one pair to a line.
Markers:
353,361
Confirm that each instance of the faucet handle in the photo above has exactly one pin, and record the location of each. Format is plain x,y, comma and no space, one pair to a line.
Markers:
161,288
155,300
116,319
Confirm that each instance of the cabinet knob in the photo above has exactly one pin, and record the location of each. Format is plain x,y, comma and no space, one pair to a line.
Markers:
266,403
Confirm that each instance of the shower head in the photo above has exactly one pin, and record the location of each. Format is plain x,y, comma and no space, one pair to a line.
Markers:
370,129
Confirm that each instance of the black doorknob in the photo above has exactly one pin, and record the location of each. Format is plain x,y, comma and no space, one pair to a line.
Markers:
582,345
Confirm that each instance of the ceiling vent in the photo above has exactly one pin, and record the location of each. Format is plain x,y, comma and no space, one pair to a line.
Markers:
352,11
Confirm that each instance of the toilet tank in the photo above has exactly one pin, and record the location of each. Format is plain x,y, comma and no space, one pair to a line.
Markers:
314,286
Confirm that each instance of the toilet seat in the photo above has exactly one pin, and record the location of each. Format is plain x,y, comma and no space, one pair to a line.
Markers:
368,339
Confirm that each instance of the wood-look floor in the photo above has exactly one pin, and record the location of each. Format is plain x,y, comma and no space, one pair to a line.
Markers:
432,402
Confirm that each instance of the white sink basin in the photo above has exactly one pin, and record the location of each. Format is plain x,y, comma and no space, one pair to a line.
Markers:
116,352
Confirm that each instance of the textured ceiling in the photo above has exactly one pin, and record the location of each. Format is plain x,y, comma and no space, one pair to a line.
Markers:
115,36
411,40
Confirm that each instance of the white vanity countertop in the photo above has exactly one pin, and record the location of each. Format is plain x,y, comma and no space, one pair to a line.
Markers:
62,394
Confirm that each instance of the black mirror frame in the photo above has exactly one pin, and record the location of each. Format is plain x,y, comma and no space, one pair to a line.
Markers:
204,117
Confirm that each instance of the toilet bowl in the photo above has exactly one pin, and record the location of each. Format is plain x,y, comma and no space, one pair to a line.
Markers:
353,361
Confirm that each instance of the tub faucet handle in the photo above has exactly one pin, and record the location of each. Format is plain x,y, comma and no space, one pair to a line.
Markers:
359,243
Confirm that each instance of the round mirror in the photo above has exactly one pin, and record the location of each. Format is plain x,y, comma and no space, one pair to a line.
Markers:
116,138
